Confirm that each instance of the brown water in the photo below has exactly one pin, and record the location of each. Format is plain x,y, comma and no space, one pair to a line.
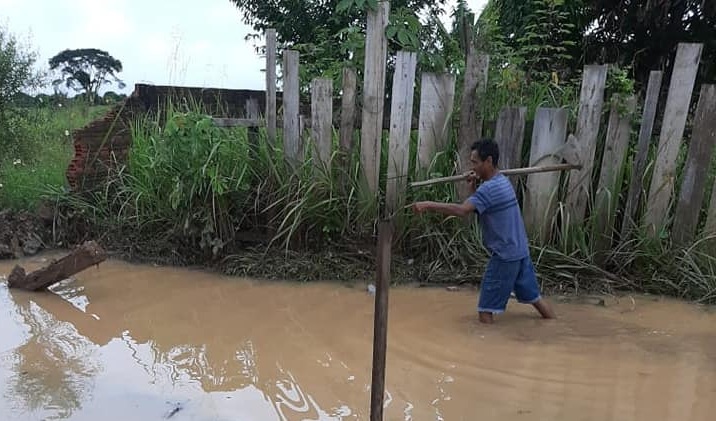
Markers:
124,342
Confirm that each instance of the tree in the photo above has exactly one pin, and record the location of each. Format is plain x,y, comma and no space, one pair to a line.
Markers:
86,70
330,34
16,69
644,34
16,73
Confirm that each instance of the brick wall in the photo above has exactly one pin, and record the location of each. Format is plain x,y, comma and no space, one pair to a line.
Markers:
102,146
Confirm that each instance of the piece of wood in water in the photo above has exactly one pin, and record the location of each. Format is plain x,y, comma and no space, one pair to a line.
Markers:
88,254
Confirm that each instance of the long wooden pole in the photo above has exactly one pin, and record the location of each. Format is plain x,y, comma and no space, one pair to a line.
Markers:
380,321
512,171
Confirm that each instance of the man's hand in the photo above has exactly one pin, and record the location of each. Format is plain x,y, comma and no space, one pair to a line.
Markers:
471,179
420,207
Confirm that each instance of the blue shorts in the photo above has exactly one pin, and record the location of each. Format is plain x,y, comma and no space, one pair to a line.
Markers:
502,278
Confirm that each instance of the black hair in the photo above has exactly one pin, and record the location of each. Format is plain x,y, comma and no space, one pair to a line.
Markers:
487,147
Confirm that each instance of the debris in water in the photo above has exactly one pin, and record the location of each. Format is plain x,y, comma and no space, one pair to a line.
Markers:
177,407
371,289
453,288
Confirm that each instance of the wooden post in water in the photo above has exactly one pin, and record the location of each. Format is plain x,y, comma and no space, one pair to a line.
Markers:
437,95
271,85
322,120
615,148
380,321
475,84
376,49
683,78
591,101
401,113
509,135
540,199
291,128
631,209
701,147
348,109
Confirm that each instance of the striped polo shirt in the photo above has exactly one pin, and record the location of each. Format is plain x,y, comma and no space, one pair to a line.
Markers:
503,230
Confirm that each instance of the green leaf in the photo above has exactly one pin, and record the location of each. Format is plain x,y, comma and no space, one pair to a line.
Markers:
344,5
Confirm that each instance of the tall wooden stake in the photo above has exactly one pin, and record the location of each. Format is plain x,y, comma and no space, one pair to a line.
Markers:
380,322
271,85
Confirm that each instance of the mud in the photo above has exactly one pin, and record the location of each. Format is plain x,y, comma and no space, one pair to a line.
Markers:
127,342
24,234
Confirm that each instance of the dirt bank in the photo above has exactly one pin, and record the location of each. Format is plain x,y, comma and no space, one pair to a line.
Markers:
24,234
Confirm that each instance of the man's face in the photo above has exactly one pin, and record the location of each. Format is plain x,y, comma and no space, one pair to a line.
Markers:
479,166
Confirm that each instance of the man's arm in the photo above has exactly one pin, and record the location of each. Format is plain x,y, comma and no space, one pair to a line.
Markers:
450,209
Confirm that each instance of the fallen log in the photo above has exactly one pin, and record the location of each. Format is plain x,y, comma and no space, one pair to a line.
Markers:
88,254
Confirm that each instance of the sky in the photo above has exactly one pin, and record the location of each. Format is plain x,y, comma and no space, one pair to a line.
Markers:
200,43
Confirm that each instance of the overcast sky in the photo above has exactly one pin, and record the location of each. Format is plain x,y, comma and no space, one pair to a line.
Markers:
180,42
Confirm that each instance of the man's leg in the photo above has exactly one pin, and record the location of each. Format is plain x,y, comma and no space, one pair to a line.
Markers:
495,289
544,309
527,290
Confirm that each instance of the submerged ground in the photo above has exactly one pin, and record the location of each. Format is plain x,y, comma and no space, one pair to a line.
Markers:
126,341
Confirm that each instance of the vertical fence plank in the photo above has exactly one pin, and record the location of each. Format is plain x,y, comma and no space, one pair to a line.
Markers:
591,100
631,208
691,194
475,84
376,46
252,112
510,135
686,65
540,199
271,85
401,112
609,187
322,119
437,95
348,109
291,129
710,226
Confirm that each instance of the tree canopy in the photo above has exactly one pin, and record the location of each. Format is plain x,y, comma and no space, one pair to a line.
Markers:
86,70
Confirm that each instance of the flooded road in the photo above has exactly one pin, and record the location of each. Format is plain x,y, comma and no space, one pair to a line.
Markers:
126,342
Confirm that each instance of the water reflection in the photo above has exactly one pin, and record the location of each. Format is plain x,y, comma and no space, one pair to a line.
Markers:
53,372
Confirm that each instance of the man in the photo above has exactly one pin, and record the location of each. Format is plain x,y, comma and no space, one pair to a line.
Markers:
503,232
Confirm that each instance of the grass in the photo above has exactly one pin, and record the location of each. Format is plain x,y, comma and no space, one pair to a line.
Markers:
38,154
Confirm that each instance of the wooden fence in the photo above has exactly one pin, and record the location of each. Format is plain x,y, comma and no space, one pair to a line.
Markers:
671,203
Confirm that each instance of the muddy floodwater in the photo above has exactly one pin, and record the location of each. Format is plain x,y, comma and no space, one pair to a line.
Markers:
126,342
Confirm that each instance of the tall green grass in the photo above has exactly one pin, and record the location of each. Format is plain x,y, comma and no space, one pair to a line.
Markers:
38,153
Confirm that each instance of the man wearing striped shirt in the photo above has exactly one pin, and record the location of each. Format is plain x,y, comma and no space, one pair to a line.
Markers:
510,267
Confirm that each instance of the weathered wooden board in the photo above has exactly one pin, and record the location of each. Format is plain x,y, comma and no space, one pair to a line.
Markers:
698,161
591,101
475,85
271,85
291,130
683,77
636,184
609,187
348,109
322,119
437,96
510,135
376,46
87,255
540,198
400,117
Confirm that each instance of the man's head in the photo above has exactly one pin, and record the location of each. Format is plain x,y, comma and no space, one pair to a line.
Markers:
484,156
